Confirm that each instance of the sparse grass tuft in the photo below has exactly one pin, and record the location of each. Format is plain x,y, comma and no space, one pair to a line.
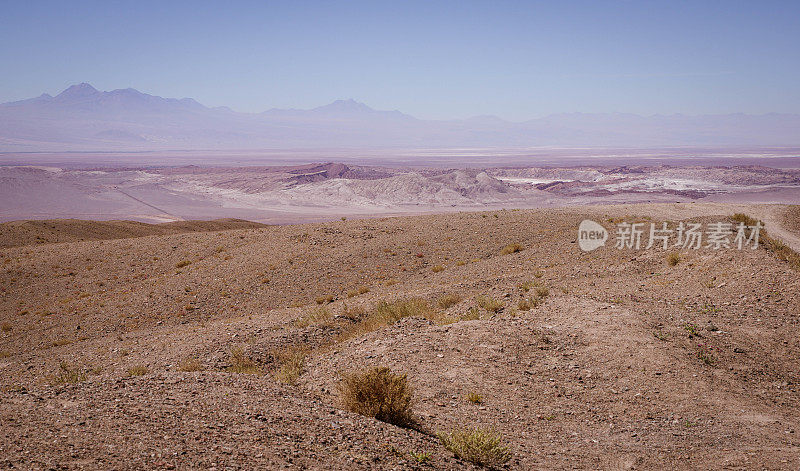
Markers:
393,312
475,398
660,335
190,364
480,446
448,300
781,251
744,218
437,268
490,304
511,248
420,456
377,392
137,370
242,364
66,374
183,263
317,315
325,299
526,286
472,314
5,327
355,292
706,355
292,362
692,329
775,246
386,313
542,292
673,259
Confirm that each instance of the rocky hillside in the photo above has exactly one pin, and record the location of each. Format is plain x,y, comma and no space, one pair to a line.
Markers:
226,349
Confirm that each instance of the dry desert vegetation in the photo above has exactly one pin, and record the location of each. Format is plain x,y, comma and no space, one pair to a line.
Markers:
464,340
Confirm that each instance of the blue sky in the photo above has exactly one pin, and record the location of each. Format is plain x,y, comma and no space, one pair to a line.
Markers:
516,60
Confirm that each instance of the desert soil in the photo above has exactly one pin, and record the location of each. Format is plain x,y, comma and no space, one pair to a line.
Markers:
628,363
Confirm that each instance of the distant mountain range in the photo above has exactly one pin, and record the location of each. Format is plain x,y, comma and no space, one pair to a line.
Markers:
82,118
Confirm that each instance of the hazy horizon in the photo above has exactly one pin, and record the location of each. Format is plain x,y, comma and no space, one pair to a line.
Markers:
517,61
353,101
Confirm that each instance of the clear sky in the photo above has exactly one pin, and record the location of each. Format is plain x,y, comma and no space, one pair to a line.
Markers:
516,60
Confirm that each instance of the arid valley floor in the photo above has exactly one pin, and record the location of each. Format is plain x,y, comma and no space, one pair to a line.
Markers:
219,345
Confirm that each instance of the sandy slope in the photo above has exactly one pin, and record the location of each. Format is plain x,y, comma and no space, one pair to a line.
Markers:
48,231
604,374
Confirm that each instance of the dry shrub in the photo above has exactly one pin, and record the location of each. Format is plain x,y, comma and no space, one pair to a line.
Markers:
437,268
377,392
137,370
480,446
182,264
511,248
5,327
190,364
448,300
241,363
325,299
